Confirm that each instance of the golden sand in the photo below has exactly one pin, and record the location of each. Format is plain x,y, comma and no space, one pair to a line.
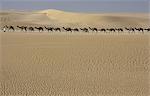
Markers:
36,64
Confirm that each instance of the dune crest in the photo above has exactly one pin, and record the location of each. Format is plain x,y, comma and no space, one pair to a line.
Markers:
71,19
96,19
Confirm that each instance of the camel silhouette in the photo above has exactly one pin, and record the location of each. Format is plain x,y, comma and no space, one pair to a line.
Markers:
49,28
31,28
119,29
139,29
84,29
147,29
131,30
93,29
10,28
23,28
39,28
20,28
111,30
67,29
127,29
4,28
103,29
57,29
75,29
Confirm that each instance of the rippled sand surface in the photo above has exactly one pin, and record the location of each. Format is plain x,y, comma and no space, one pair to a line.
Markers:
74,65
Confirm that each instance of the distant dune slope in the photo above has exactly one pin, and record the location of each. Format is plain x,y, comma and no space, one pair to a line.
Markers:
97,19
56,17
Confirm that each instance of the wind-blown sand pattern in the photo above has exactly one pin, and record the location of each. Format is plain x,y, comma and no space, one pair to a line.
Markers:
45,64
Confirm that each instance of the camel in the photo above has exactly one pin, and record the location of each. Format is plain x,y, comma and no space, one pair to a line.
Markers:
57,29
25,28
111,30
133,30
76,29
67,29
119,29
31,28
4,29
147,29
139,29
22,28
127,29
84,29
103,29
40,29
93,29
49,28
130,29
10,27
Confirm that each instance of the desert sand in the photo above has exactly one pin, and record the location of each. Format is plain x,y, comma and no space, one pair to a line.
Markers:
46,64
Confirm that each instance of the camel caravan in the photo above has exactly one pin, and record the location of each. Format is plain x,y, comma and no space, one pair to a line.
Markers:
9,28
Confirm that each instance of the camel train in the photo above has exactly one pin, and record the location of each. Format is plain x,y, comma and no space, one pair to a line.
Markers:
11,28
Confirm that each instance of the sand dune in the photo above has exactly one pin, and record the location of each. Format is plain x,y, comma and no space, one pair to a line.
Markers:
24,18
56,17
97,19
